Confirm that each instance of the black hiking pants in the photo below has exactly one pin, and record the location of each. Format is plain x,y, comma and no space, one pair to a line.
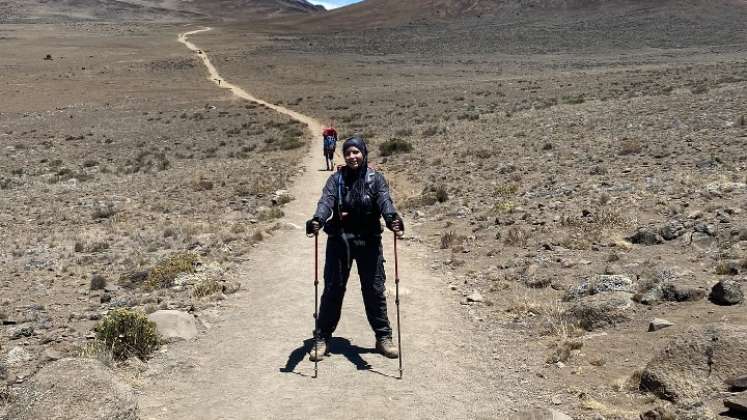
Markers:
369,257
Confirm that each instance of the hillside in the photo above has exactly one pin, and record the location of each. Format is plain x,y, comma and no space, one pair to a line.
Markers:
394,12
25,11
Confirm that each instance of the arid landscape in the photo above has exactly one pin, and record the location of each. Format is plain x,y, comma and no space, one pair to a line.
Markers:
573,176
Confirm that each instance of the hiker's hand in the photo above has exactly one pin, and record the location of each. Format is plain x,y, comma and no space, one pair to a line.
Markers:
395,223
313,226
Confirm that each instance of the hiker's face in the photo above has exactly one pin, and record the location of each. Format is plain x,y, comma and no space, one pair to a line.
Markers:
353,157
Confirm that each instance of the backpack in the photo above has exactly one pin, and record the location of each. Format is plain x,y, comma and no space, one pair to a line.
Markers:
329,143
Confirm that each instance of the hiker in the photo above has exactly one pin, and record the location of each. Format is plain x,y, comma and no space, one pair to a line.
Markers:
352,202
330,144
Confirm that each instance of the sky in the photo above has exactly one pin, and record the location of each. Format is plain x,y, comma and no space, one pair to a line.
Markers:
333,4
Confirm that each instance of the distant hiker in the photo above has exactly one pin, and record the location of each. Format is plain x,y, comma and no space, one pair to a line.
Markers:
330,144
352,203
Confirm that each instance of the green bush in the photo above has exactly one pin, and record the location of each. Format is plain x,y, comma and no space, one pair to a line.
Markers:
163,274
127,333
395,145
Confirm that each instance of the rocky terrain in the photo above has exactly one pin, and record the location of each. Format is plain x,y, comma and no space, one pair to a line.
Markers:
118,163
578,188
580,180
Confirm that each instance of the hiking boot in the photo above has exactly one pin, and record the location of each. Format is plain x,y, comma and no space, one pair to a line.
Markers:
318,352
386,347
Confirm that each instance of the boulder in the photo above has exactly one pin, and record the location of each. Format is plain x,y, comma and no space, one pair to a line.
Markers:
601,284
727,292
696,363
74,389
646,236
174,325
657,324
672,230
602,310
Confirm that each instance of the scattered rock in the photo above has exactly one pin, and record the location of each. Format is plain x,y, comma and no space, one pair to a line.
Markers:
20,332
672,230
17,356
657,324
537,282
669,292
599,311
695,363
174,325
727,292
737,382
72,389
702,241
475,297
693,410
601,284
646,236
231,287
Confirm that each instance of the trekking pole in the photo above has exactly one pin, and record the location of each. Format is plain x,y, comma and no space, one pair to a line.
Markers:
396,301
316,304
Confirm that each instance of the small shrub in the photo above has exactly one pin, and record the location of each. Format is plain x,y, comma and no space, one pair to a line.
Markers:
430,131
206,287
450,239
395,145
98,282
270,214
506,190
163,274
127,333
403,132
517,237
630,147
104,211
483,153
442,195
573,100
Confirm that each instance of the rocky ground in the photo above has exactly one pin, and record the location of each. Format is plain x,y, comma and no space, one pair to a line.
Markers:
118,158
576,192
587,194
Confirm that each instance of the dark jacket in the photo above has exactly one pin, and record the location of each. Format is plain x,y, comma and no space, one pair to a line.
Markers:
361,220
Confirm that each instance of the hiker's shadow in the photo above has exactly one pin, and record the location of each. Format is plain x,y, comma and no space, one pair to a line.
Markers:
337,345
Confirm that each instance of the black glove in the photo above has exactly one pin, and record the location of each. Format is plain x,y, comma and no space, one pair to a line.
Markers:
311,229
390,218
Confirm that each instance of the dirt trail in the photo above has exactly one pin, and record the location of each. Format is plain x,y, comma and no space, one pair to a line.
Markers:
251,364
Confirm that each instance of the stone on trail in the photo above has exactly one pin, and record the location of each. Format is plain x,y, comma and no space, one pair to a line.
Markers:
74,389
695,363
174,325
657,324
727,292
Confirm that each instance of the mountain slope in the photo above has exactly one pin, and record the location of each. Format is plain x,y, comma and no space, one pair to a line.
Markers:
150,10
392,12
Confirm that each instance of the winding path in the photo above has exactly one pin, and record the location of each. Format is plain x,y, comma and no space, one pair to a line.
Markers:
251,363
